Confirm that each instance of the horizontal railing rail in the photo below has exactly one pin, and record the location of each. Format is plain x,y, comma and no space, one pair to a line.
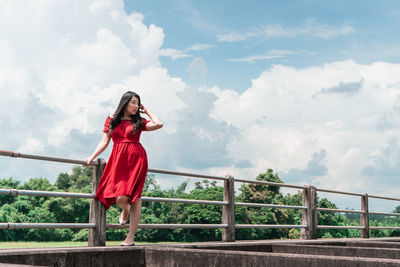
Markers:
46,158
160,171
340,210
97,225
269,183
169,226
385,198
263,226
384,227
187,201
46,225
22,192
339,192
339,227
385,213
259,205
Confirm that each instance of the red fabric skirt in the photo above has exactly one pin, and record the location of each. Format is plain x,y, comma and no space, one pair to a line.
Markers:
124,174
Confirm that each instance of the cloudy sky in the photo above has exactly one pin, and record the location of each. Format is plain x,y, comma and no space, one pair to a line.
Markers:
307,88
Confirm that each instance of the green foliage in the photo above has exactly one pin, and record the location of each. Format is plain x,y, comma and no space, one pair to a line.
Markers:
63,182
34,209
294,233
7,184
260,193
266,194
178,213
82,235
80,180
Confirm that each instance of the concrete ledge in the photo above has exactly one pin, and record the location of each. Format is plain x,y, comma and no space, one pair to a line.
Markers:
214,258
386,253
339,252
80,256
377,244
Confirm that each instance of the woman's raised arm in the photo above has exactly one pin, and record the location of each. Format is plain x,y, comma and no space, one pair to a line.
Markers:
154,123
105,140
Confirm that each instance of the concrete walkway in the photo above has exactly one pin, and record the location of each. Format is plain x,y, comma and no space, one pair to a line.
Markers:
322,252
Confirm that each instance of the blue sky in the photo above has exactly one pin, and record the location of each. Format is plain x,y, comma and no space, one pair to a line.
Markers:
307,88
316,32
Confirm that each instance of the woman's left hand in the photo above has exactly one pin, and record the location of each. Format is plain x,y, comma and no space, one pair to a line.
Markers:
143,109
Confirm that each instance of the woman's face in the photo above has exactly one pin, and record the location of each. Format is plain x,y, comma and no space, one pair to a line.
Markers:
133,106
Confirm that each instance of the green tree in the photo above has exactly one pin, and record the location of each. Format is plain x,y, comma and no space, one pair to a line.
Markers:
63,182
7,184
265,194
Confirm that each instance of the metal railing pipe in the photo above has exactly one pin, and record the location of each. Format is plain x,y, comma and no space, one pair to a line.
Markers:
260,205
263,226
169,226
339,227
384,227
339,210
269,183
187,174
188,201
45,158
21,192
386,198
46,225
339,192
384,213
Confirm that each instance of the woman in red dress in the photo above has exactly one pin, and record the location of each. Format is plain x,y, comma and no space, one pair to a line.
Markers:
125,172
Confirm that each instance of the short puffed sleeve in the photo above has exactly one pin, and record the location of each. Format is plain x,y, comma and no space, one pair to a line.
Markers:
145,122
107,125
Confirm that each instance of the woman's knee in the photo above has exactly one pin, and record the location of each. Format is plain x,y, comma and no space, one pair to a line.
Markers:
138,201
122,199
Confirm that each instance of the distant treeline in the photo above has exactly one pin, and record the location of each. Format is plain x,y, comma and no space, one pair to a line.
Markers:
29,209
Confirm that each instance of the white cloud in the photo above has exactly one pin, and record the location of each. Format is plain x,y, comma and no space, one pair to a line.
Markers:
198,70
272,54
232,37
159,92
283,119
176,53
173,53
280,31
315,30
31,145
66,66
310,28
198,47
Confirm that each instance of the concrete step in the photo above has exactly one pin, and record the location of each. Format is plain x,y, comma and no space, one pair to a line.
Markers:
277,253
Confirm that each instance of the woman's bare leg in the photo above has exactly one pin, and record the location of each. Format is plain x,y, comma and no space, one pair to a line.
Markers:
123,203
136,212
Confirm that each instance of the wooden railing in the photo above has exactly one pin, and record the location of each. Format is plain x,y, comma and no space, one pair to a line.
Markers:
97,217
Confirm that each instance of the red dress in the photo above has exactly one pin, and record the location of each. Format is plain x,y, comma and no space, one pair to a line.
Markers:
126,169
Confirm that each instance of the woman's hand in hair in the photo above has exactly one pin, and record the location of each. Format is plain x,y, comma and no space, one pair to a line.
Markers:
143,109
154,123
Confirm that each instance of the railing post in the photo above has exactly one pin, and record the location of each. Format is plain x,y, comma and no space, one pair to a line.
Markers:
97,215
364,217
309,216
228,211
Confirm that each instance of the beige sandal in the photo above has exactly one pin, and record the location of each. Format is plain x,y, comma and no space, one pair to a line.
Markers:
125,244
122,221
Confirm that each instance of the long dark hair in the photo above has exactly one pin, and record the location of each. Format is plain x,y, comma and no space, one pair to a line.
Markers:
136,119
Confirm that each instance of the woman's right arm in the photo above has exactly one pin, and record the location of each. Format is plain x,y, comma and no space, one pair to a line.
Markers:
105,140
